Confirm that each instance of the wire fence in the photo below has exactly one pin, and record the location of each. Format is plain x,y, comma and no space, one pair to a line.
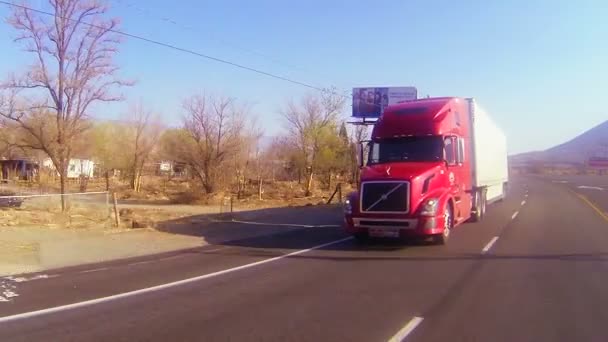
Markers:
82,210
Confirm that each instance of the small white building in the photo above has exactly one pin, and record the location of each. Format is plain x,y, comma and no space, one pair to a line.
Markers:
165,166
76,167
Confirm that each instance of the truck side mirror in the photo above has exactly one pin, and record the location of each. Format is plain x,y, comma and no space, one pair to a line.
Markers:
449,150
363,148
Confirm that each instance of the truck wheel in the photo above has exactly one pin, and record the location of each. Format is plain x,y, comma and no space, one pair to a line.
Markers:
448,224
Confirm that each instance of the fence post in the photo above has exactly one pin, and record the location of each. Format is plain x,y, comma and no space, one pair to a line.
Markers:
107,176
340,192
116,213
108,204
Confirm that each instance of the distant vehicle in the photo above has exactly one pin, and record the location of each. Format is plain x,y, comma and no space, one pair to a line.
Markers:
9,202
433,164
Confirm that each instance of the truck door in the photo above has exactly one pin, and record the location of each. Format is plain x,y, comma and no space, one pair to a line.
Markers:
458,174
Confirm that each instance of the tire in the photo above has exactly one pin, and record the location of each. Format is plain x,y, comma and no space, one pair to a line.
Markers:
442,239
480,206
504,192
484,204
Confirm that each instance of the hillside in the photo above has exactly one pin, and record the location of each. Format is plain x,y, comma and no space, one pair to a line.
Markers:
577,150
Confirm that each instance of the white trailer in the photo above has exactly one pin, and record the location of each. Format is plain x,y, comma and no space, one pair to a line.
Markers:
489,145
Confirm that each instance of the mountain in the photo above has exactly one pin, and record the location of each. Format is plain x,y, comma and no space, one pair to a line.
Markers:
593,142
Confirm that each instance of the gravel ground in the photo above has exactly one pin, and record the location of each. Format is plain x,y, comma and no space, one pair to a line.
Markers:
32,249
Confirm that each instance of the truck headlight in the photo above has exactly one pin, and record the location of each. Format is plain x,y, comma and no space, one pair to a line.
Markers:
429,208
348,207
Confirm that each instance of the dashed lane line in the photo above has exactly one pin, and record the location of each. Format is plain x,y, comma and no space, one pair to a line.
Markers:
402,334
95,270
489,245
514,215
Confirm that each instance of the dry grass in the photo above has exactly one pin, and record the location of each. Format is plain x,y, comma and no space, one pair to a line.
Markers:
84,212
93,212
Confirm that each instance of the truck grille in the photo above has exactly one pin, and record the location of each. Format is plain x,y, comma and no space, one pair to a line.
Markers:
385,197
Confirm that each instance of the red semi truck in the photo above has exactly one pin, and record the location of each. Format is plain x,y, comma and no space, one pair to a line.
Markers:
432,165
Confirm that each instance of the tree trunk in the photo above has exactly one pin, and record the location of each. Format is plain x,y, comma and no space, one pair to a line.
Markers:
107,175
62,182
84,182
134,177
135,173
309,183
260,188
138,182
208,188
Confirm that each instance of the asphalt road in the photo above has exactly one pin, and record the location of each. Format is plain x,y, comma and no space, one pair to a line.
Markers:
594,188
535,270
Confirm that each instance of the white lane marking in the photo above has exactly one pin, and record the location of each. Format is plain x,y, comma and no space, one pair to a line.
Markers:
77,305
406,330
526,195
173,257
7,290
214,250
514,215
9,294
523,202
140,263
24,279
279,224
590,187
95,270
560,181
489,245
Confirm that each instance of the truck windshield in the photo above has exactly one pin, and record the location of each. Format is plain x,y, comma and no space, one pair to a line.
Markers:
408,149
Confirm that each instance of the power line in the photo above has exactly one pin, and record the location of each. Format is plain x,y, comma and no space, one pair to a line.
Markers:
177,48
148,13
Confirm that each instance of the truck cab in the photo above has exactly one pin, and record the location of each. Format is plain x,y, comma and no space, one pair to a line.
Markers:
419,176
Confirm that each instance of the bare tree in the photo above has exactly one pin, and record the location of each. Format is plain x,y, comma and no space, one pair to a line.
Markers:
308,123
215,128
360,134
73,69
146,131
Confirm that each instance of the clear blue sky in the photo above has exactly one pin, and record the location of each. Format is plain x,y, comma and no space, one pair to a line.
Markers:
539,67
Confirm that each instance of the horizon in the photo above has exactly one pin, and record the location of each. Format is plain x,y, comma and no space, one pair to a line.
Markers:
517,59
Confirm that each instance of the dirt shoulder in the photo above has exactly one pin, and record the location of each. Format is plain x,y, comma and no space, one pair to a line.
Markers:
25,249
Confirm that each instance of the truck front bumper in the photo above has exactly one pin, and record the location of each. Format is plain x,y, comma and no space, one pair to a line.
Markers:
406,227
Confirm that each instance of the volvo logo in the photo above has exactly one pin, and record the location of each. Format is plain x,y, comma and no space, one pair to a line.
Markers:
384,196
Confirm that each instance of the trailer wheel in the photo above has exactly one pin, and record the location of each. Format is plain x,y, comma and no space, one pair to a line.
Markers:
442,239
504,192
484,203
480,206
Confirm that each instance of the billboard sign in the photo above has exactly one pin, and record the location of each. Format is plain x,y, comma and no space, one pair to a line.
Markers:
370,102
598,162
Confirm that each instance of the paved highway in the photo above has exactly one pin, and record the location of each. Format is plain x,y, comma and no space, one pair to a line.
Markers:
535,270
